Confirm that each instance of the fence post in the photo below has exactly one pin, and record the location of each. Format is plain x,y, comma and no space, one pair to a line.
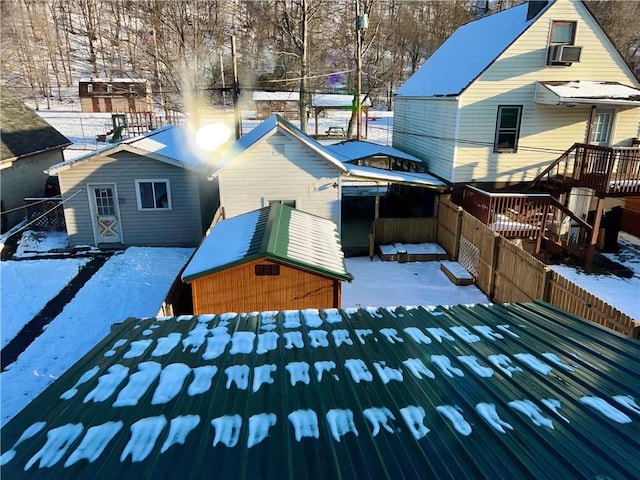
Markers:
546,285
495,248
372,240
458,233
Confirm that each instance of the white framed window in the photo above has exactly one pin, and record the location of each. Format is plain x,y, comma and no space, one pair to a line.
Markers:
153,195
89,88
601,127
507,128
563,32
109,88
289,203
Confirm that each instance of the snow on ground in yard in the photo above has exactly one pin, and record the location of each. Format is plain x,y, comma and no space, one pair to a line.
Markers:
387,284
26,287
32,243
131,284
622,293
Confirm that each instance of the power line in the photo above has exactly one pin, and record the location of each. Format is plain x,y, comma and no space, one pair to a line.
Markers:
454,141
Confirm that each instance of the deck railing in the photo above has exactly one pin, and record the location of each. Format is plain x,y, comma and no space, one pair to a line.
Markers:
606,170
533,216
513,215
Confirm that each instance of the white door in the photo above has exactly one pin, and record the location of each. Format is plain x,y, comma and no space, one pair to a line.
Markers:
105,213
601,127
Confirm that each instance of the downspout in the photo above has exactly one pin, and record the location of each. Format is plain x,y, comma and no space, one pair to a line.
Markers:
339,204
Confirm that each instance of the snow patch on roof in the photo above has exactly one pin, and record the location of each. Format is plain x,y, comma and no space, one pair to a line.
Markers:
228,242
592,89
470,50
172,142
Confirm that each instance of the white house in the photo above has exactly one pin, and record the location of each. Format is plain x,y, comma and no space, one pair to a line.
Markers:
277,163
506,95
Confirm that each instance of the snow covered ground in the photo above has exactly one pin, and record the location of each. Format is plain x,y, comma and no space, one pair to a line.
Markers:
622,293
391,284
133,283
26,288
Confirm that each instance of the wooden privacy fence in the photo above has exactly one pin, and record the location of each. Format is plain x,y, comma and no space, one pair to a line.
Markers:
405,230
506,273
386,231
449,223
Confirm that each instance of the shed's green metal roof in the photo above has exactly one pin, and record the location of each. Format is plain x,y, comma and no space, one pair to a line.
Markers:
485,391
277,232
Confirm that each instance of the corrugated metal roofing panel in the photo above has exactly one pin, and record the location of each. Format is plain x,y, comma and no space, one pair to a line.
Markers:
485,391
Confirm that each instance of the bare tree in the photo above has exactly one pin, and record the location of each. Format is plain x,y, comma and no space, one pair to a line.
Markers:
296,18
616,18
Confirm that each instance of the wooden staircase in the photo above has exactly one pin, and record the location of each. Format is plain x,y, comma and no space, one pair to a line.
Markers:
608,171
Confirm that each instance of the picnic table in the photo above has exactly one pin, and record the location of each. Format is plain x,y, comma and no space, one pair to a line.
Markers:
336,132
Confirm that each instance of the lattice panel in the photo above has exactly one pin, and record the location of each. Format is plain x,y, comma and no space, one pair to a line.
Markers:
46,215
469,256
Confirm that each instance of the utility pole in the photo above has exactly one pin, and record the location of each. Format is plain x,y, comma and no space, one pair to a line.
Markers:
236,90
361,25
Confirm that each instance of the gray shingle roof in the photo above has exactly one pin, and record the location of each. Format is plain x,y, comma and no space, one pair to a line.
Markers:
485,391
23,131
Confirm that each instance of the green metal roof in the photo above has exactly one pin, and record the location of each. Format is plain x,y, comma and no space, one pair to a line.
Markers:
277,232
485,391
23,132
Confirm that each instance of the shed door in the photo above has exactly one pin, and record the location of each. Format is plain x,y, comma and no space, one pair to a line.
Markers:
105,214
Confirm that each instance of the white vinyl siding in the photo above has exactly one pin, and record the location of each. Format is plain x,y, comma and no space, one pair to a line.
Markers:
263,173
546,131
426,128
180,226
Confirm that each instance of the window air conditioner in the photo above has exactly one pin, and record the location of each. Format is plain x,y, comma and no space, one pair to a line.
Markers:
564,54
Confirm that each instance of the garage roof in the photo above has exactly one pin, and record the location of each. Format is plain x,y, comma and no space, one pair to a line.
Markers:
484,391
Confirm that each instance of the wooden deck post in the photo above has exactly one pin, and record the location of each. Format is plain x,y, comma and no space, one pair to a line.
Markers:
591,250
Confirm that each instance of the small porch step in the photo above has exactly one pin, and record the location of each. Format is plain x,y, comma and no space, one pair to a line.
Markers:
456,273
412,252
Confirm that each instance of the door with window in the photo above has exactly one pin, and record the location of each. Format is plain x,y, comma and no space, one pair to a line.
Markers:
601,127
105,214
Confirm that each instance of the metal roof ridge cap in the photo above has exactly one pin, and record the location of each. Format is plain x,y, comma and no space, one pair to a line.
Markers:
277,217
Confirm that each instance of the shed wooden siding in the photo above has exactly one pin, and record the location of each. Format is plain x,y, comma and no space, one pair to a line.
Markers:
24,178
426,128
261,174
511,80
116,104
180,226
238,289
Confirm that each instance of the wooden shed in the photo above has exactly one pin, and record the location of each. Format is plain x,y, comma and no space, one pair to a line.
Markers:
275,258
115,95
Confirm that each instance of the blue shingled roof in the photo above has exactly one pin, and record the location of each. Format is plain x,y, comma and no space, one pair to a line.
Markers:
485,391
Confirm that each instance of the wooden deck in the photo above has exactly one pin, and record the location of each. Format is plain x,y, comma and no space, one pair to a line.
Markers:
609,171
